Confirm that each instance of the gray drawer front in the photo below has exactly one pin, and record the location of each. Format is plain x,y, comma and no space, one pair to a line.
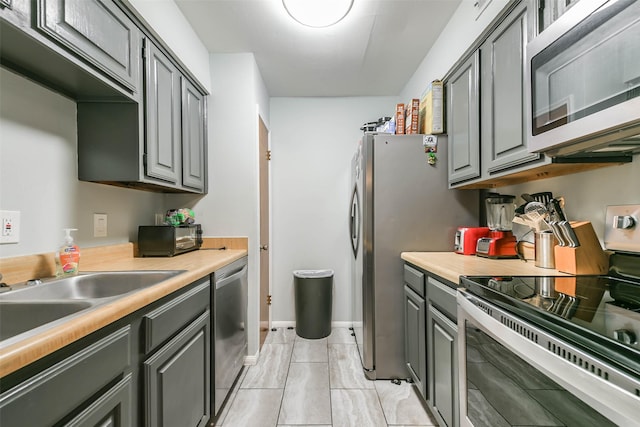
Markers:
165,321
442,296
45,398
415,279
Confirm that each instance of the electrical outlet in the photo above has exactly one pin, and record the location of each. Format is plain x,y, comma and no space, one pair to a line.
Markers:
10,222
99,225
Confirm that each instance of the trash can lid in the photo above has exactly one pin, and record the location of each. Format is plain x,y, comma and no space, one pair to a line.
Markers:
313,274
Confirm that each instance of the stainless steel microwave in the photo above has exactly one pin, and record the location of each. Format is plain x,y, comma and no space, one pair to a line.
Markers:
584,81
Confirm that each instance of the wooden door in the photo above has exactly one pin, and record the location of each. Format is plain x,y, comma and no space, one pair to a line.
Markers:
265,297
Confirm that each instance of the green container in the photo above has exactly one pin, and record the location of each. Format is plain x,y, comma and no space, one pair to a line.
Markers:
313,299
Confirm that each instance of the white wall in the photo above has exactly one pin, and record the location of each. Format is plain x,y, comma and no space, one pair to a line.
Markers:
39,175
169,23
463,29
313,141
588,193
38,157
231,208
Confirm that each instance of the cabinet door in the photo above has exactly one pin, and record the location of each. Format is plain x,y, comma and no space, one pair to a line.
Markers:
177,379
193,137
162,108
503,138
46,398
414,342
97,31
112,409
443,368
463,122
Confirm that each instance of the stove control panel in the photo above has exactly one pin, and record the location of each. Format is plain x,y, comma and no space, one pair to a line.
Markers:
622,228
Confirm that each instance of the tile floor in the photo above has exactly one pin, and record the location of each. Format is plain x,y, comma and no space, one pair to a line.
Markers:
300,382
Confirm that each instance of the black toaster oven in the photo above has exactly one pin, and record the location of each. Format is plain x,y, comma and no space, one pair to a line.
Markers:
167,240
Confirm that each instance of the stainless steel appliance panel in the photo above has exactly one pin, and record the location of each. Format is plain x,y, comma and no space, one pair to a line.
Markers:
406,206
584,81
230,334
513,373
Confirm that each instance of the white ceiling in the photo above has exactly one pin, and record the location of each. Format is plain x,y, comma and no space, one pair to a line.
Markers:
373,51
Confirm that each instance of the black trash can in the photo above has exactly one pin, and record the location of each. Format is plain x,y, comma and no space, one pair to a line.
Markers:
313,299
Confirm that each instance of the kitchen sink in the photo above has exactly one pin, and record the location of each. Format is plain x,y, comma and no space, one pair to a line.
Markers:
31,309
90,285
19,317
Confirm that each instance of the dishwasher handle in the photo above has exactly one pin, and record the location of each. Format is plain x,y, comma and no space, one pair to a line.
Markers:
229,279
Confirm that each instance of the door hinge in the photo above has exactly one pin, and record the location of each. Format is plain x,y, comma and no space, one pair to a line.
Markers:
268,155
268,299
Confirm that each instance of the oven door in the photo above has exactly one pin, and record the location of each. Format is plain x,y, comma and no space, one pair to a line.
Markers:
584,80
512,374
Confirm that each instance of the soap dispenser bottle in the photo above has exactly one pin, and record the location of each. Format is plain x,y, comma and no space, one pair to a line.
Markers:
67,256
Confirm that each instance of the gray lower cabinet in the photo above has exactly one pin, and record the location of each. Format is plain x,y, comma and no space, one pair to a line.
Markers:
150,368
47,397
442,351
442,355
177,379
415,318
98,31
463,121
431,341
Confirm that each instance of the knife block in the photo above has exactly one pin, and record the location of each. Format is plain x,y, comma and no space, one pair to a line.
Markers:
588,258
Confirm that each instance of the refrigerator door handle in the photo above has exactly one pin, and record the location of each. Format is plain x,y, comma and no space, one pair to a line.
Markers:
354,226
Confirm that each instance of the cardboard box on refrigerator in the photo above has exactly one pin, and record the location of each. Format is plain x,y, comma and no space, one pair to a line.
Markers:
431,109
411,116
399,119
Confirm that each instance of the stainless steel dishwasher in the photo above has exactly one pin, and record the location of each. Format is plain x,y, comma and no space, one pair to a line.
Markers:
229,328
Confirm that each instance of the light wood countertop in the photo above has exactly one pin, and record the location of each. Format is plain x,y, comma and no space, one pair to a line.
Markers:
450,265
196,264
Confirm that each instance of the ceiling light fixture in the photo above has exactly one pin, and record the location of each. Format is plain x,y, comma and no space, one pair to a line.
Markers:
318,13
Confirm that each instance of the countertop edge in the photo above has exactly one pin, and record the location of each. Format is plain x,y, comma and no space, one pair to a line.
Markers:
25,352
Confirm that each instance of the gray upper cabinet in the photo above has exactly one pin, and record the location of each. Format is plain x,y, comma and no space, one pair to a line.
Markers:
502,111
193,134
163,116
141,113
98,32
463,121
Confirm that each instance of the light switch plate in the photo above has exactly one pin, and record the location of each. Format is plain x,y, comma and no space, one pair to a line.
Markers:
10,223
99,225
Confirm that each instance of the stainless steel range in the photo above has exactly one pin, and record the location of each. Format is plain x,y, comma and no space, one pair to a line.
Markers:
558,351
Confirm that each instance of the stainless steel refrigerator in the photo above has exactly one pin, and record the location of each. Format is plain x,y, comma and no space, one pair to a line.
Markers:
399,203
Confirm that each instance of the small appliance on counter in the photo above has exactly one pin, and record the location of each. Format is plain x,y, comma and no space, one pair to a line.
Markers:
168,240
466,239
500,243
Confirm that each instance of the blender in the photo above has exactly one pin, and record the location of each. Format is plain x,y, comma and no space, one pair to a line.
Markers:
500,243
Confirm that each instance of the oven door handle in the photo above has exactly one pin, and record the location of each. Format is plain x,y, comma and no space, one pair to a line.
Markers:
615,401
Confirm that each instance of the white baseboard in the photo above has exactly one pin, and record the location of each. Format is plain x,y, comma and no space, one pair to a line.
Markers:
251,359
292,324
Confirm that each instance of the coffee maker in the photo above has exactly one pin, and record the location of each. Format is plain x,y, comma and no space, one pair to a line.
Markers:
500,243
